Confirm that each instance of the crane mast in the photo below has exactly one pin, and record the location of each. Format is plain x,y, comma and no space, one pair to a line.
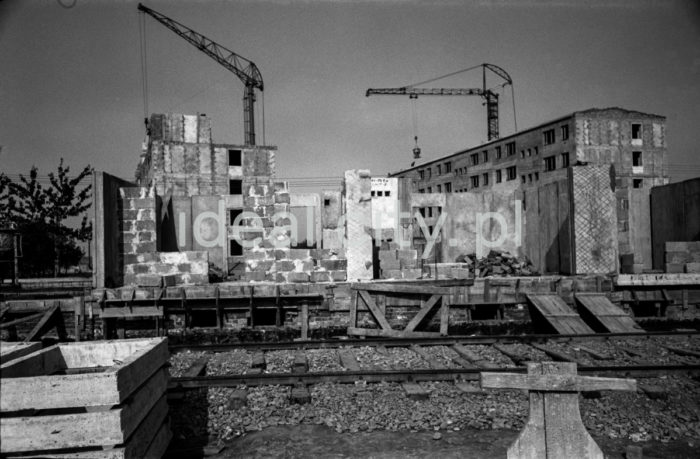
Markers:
243,68
489,96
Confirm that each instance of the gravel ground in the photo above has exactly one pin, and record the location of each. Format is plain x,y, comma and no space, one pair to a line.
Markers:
395,358
323,360
529,352
490,354
279,361
180,362
236,362
384,406
442,355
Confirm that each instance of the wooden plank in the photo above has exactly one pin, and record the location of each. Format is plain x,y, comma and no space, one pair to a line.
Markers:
444,317
258,360
304,321
301,364
197,368
466,354
130,363
390,333
82,429
518,359
595,354
425,356
135,311
422,313
681,351
555,311
22,320
556,355
599,309
554,382
401,288
353,309
139,445
374,310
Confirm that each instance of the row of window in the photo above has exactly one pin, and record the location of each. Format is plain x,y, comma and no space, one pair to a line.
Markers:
380,193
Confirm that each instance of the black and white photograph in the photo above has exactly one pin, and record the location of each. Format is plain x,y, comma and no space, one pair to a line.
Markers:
350,229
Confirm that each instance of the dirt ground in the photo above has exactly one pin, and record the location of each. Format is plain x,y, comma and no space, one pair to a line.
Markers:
314,441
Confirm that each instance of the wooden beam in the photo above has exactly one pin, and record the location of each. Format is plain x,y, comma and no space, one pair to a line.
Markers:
304,321
556,355
444,317
219,311
22,320
374,310
46,322
424,311
401,288
353,309
197,368
390,333
554,382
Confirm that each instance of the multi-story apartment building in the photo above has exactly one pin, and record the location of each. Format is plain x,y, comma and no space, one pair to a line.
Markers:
633,143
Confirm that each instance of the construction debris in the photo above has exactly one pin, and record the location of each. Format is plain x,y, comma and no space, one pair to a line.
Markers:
498,263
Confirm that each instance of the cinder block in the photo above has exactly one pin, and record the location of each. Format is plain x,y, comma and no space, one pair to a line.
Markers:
339,276
257,276
676,246
334,265
296,254
390,264
677,257
297,277
284,265
675,268
693,268
414,273
320,276
149,280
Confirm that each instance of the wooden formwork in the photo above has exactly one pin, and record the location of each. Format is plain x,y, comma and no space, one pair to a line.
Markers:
91,399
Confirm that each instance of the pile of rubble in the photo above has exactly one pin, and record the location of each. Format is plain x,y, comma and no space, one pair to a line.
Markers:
498,264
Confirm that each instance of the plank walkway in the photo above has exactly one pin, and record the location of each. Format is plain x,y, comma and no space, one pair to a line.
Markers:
601,313
557,314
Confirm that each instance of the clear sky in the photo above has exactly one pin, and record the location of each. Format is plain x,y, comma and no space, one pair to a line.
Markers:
70,78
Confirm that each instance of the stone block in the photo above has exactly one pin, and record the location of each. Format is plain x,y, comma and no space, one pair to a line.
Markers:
339,276
297,277
414,273
259,265
284,265
676,246
320,254
334,265
170,280
390,264
256,276
677,257
460,273
282,198
303,265
320,276
145,225
296,254
145,247
149,280
331,239
281,254
693,268
675,268
141,268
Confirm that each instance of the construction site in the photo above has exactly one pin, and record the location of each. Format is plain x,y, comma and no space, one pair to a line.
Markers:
534,295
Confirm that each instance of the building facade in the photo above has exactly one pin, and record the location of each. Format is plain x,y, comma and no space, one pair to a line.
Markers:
631,142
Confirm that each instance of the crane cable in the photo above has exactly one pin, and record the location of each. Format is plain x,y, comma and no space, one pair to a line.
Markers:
144,63
414,112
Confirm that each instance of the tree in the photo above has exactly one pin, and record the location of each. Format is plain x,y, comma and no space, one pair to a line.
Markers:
42,213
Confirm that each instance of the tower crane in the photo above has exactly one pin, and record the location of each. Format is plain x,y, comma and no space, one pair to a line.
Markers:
243,68
489,96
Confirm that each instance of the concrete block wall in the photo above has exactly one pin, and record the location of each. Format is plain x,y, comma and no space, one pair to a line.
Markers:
138,236
290,265
358,224
682,257
166,268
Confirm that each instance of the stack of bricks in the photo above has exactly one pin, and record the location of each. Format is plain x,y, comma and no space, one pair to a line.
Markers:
143,265
683,257
395,263
295,265
166,268
138,229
